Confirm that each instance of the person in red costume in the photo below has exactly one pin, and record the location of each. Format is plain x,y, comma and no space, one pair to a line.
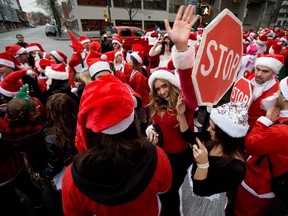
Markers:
264,85
119,172
165,89
268,137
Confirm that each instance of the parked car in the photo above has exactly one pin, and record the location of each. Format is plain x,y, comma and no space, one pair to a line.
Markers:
129,34
51,30
32,25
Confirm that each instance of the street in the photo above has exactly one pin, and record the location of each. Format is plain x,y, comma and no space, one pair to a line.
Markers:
36,35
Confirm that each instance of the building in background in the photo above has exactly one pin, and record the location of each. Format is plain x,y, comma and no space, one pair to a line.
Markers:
282,19
88,17
11,15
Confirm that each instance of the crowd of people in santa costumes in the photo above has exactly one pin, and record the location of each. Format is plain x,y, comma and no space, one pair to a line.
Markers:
113,130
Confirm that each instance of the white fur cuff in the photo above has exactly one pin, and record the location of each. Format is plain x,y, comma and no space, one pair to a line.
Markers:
265,121
183,60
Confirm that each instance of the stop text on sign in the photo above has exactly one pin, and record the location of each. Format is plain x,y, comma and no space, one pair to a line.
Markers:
230,62
238,95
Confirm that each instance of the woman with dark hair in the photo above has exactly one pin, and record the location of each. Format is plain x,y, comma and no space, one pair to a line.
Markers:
59,136
118,171
163,48
219,164
138,80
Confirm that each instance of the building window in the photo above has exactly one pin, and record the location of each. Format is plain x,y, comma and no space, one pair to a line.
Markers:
93,24
155,4
129,23
128,3
174,5
93,2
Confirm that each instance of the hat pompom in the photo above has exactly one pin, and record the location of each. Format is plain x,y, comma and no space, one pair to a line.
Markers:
232,118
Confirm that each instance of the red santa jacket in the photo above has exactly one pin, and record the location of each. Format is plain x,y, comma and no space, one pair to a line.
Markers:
256,108
75,203
264,139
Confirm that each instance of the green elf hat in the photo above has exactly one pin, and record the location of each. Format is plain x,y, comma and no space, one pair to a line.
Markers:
23,93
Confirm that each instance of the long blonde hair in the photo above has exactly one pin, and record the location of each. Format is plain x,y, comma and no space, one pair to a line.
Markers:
161,105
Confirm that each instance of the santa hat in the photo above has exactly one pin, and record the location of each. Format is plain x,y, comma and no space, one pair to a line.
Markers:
136,56
275,49
273,61
232,118
252,49
262,40
78,63
117,39
284,39
284,87
166,75
153,37
117,53
165,35
106,106
11,84
200,27
42,64
84,39
61,57
96,64
34,47
76,45
57,72
9,60
15,50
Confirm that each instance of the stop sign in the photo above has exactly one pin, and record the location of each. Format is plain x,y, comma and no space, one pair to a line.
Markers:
242,91
218,58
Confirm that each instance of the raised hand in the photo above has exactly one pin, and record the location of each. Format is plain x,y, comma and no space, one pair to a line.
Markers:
180,106
200,152
180,31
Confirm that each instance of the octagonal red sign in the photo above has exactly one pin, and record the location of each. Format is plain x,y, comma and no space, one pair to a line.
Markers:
242,91
218,58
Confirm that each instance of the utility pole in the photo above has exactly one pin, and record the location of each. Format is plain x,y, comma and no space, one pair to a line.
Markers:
263,14
109,14
55,14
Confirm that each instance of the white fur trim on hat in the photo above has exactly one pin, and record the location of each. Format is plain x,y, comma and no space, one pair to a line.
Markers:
137,57
57,56
20,51
121,126
284,87
79,69
98,67
183,60
116,41
52,74
232,118
283,39
261,42
7,93
166,75
269,62
7,63
32,48
85,41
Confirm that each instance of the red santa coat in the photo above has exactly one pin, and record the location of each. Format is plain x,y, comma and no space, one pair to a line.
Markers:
140,85
264,139
76,203
257,108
